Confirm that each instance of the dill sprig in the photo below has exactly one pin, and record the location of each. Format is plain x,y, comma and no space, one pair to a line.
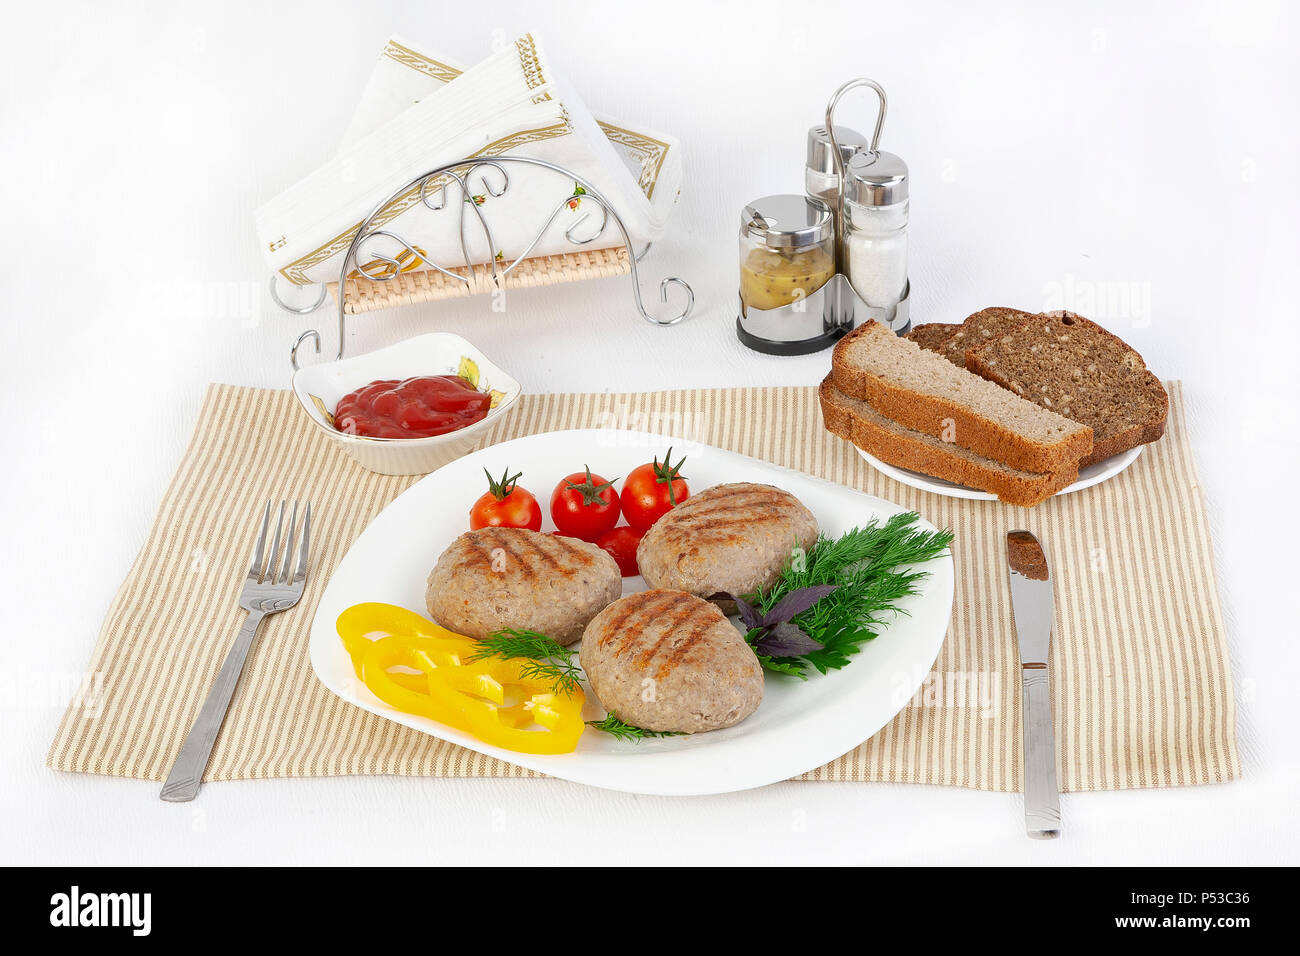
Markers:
612,725
547,659
867,565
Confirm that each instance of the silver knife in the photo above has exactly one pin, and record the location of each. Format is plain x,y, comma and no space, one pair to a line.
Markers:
1031,605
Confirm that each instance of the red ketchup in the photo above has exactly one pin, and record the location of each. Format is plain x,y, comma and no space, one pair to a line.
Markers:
415,408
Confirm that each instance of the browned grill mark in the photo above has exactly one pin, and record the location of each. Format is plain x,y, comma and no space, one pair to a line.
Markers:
730,505
540,547
699,615
694,529
633,629
473,556
725,492
579,554
630,609
515,560
618,620
682,650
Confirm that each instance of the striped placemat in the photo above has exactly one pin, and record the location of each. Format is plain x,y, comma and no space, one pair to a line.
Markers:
1142,683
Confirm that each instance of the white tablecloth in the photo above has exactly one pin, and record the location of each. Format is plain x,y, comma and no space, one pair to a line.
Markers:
1134,165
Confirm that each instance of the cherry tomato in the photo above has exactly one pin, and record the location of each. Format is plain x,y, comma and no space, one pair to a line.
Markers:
621,544
652,490
584,505
505,505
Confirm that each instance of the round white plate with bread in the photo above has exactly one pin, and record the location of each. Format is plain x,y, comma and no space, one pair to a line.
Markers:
798,726
1089,476
1008,405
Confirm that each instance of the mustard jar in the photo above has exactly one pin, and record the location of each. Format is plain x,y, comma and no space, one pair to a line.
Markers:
789,303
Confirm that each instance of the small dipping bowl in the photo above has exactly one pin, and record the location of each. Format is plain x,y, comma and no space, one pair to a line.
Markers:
320,387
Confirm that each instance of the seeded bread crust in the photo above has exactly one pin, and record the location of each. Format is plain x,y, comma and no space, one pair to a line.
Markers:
979,329
1073,366
857,422
942,417
931,335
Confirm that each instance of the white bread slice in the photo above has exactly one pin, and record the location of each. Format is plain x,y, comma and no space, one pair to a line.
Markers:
925,392
856,421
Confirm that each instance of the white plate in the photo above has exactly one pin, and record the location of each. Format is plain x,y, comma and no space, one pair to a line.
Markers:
799,726
1092,475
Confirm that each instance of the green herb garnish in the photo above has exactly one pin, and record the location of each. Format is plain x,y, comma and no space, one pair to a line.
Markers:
612,725
863,566
547,658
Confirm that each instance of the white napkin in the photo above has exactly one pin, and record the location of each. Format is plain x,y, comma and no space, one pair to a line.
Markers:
406,73
509,103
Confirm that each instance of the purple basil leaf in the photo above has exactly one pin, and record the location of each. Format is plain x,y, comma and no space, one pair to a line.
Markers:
750,616
796,602
786,640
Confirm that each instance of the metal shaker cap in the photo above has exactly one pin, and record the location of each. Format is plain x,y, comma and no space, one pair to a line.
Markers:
787,221
820,155
875,179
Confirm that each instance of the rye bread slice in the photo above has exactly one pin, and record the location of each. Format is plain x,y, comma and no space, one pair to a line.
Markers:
931,335
1073,366
925,392
859,423
980,328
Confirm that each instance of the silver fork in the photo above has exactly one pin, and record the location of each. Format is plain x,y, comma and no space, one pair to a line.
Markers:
270,587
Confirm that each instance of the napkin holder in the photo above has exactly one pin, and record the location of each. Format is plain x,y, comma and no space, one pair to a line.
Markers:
401,275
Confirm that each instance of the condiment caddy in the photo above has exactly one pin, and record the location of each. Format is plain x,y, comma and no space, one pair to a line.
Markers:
814,266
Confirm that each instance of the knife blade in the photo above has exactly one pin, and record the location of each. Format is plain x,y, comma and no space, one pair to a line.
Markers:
1032,610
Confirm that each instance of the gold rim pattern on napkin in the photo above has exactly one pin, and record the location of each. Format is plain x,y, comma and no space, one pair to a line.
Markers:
1143,691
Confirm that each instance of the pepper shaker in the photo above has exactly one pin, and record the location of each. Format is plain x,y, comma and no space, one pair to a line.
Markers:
821,172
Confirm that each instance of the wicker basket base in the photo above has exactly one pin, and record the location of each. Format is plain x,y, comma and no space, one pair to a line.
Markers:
429,285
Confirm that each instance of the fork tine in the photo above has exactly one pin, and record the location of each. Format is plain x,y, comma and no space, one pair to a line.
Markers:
283,576
255,570
269,572
300,567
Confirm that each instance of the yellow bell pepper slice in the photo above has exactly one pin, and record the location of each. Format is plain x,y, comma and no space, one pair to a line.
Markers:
360,624
493,699
500,704
409,693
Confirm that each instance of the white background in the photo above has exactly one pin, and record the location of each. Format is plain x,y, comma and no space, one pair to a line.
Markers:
1134,161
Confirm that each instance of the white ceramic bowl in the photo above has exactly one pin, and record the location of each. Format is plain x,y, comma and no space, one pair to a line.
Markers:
319,388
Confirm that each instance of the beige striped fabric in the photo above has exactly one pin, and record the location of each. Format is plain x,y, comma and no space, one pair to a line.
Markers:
1142,683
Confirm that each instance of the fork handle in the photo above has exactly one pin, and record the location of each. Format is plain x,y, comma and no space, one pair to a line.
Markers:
187,772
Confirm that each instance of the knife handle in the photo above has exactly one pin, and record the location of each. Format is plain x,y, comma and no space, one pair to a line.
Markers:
1042,799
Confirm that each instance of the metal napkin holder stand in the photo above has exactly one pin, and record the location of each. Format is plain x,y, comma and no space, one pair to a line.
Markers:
432,186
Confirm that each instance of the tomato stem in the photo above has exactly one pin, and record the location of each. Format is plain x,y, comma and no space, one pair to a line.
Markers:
503,489
668,472
590,491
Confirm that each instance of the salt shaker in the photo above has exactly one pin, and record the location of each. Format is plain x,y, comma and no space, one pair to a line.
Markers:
821,172
875,230
873,206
